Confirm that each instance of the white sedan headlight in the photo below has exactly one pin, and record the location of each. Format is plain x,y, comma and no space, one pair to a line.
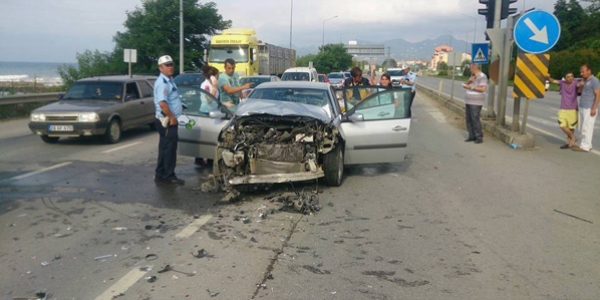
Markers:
38,117
88,117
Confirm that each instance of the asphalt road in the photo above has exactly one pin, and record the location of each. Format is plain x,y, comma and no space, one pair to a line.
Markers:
542,117
455,220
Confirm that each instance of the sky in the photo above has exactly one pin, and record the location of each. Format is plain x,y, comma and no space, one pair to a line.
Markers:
56,30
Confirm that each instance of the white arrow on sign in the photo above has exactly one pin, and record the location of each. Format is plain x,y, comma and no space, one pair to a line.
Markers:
538,35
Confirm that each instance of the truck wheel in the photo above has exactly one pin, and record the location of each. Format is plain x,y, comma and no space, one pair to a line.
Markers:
113,132
49,140
333,165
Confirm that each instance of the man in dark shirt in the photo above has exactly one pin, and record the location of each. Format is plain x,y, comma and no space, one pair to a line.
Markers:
355,81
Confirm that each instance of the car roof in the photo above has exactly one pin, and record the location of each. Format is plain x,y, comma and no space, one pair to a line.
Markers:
299,69
294,84
118,78
257,76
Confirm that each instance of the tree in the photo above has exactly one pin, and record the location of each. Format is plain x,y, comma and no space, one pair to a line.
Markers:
442,66
390,63
572,17
303,61
153,30
333,58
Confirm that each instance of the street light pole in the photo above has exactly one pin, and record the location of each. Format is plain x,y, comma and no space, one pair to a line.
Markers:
180,36
291,18
323,42
475,30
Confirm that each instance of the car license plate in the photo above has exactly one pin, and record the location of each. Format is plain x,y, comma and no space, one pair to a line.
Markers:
60,127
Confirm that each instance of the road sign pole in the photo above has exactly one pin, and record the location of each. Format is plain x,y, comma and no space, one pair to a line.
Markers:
525,114
504,70
496,48
516,114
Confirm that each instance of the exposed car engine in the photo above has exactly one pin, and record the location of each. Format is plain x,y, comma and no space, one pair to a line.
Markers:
270,149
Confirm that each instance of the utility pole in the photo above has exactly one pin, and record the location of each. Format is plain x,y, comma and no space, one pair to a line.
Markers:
291,18
492,85
181,36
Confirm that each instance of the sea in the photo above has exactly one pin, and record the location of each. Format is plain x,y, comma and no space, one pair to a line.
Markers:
41,72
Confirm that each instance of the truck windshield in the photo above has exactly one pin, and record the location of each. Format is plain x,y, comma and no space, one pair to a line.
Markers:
220,54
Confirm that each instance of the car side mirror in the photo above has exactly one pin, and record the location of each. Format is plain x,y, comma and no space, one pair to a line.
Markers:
216,114
60,96
356,118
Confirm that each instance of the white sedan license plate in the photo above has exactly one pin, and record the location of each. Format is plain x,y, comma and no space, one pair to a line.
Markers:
60,127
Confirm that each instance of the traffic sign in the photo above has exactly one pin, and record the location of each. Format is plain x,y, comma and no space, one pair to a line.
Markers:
480,53
530,78
537,31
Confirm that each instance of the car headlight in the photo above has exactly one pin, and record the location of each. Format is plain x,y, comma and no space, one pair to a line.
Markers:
88,117
38,117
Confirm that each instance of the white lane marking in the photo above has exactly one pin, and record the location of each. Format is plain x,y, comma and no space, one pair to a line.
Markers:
41,171
190,229
438,116
543,121
123,284
121,147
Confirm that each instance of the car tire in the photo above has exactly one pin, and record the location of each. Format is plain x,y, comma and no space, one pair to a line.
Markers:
333,165
113,132
49,140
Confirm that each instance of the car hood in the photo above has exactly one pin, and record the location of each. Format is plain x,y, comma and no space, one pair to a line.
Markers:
281,108
76,106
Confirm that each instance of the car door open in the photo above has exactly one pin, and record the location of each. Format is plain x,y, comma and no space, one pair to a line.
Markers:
209,118
376,124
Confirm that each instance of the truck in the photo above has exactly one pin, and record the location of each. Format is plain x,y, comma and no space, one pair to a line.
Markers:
252,56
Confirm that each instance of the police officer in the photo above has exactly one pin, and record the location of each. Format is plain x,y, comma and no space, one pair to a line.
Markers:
409,81
168,109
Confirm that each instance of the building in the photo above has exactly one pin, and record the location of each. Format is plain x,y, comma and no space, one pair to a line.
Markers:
440,54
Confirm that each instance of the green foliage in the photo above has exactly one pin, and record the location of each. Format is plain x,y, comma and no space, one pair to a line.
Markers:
571,60
153,30
333,58
442,66
389,63
443,73
303,61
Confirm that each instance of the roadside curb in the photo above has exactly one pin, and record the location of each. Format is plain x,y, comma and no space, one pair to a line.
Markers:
526,140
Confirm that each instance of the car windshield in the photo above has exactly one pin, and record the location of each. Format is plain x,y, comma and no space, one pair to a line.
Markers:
254,80
335,75
295,76
220,54
299,95
189,79
321,78
95,90
395,72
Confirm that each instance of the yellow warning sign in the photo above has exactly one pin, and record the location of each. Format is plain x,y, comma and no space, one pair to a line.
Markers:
530,78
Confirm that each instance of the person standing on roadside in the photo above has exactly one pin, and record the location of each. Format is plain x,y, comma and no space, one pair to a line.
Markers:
229,85
168,108
588,107
567,115
409,81
475,96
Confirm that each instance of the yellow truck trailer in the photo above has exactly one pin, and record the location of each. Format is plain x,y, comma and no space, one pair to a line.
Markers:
252,56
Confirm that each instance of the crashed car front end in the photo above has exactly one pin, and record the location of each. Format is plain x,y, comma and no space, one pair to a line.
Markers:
264,149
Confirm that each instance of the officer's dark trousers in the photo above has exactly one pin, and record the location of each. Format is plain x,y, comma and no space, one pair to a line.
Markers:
472,113
167,151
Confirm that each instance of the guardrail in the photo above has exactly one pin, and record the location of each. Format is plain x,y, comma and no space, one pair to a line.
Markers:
20,106
29,98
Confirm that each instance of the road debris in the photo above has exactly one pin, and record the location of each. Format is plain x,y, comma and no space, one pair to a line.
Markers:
146,268
151,279
253,240
45,264
305,202
270,277
210,186
120,228
202,254
37,296
212,294
104,256
572,216
168,268
231,196
151,257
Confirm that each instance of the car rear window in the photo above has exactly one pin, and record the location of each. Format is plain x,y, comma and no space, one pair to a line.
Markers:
295,76
395,72
255,80
335,75
95,90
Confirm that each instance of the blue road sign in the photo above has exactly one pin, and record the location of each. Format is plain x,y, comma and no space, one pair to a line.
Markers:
537,31
480,53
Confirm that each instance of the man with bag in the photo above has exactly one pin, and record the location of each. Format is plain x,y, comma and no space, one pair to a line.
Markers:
168,108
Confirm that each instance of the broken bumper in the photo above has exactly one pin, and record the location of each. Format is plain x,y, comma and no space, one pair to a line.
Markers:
276,178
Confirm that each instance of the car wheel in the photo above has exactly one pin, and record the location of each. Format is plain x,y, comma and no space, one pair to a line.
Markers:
49,140
333,163
113,132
